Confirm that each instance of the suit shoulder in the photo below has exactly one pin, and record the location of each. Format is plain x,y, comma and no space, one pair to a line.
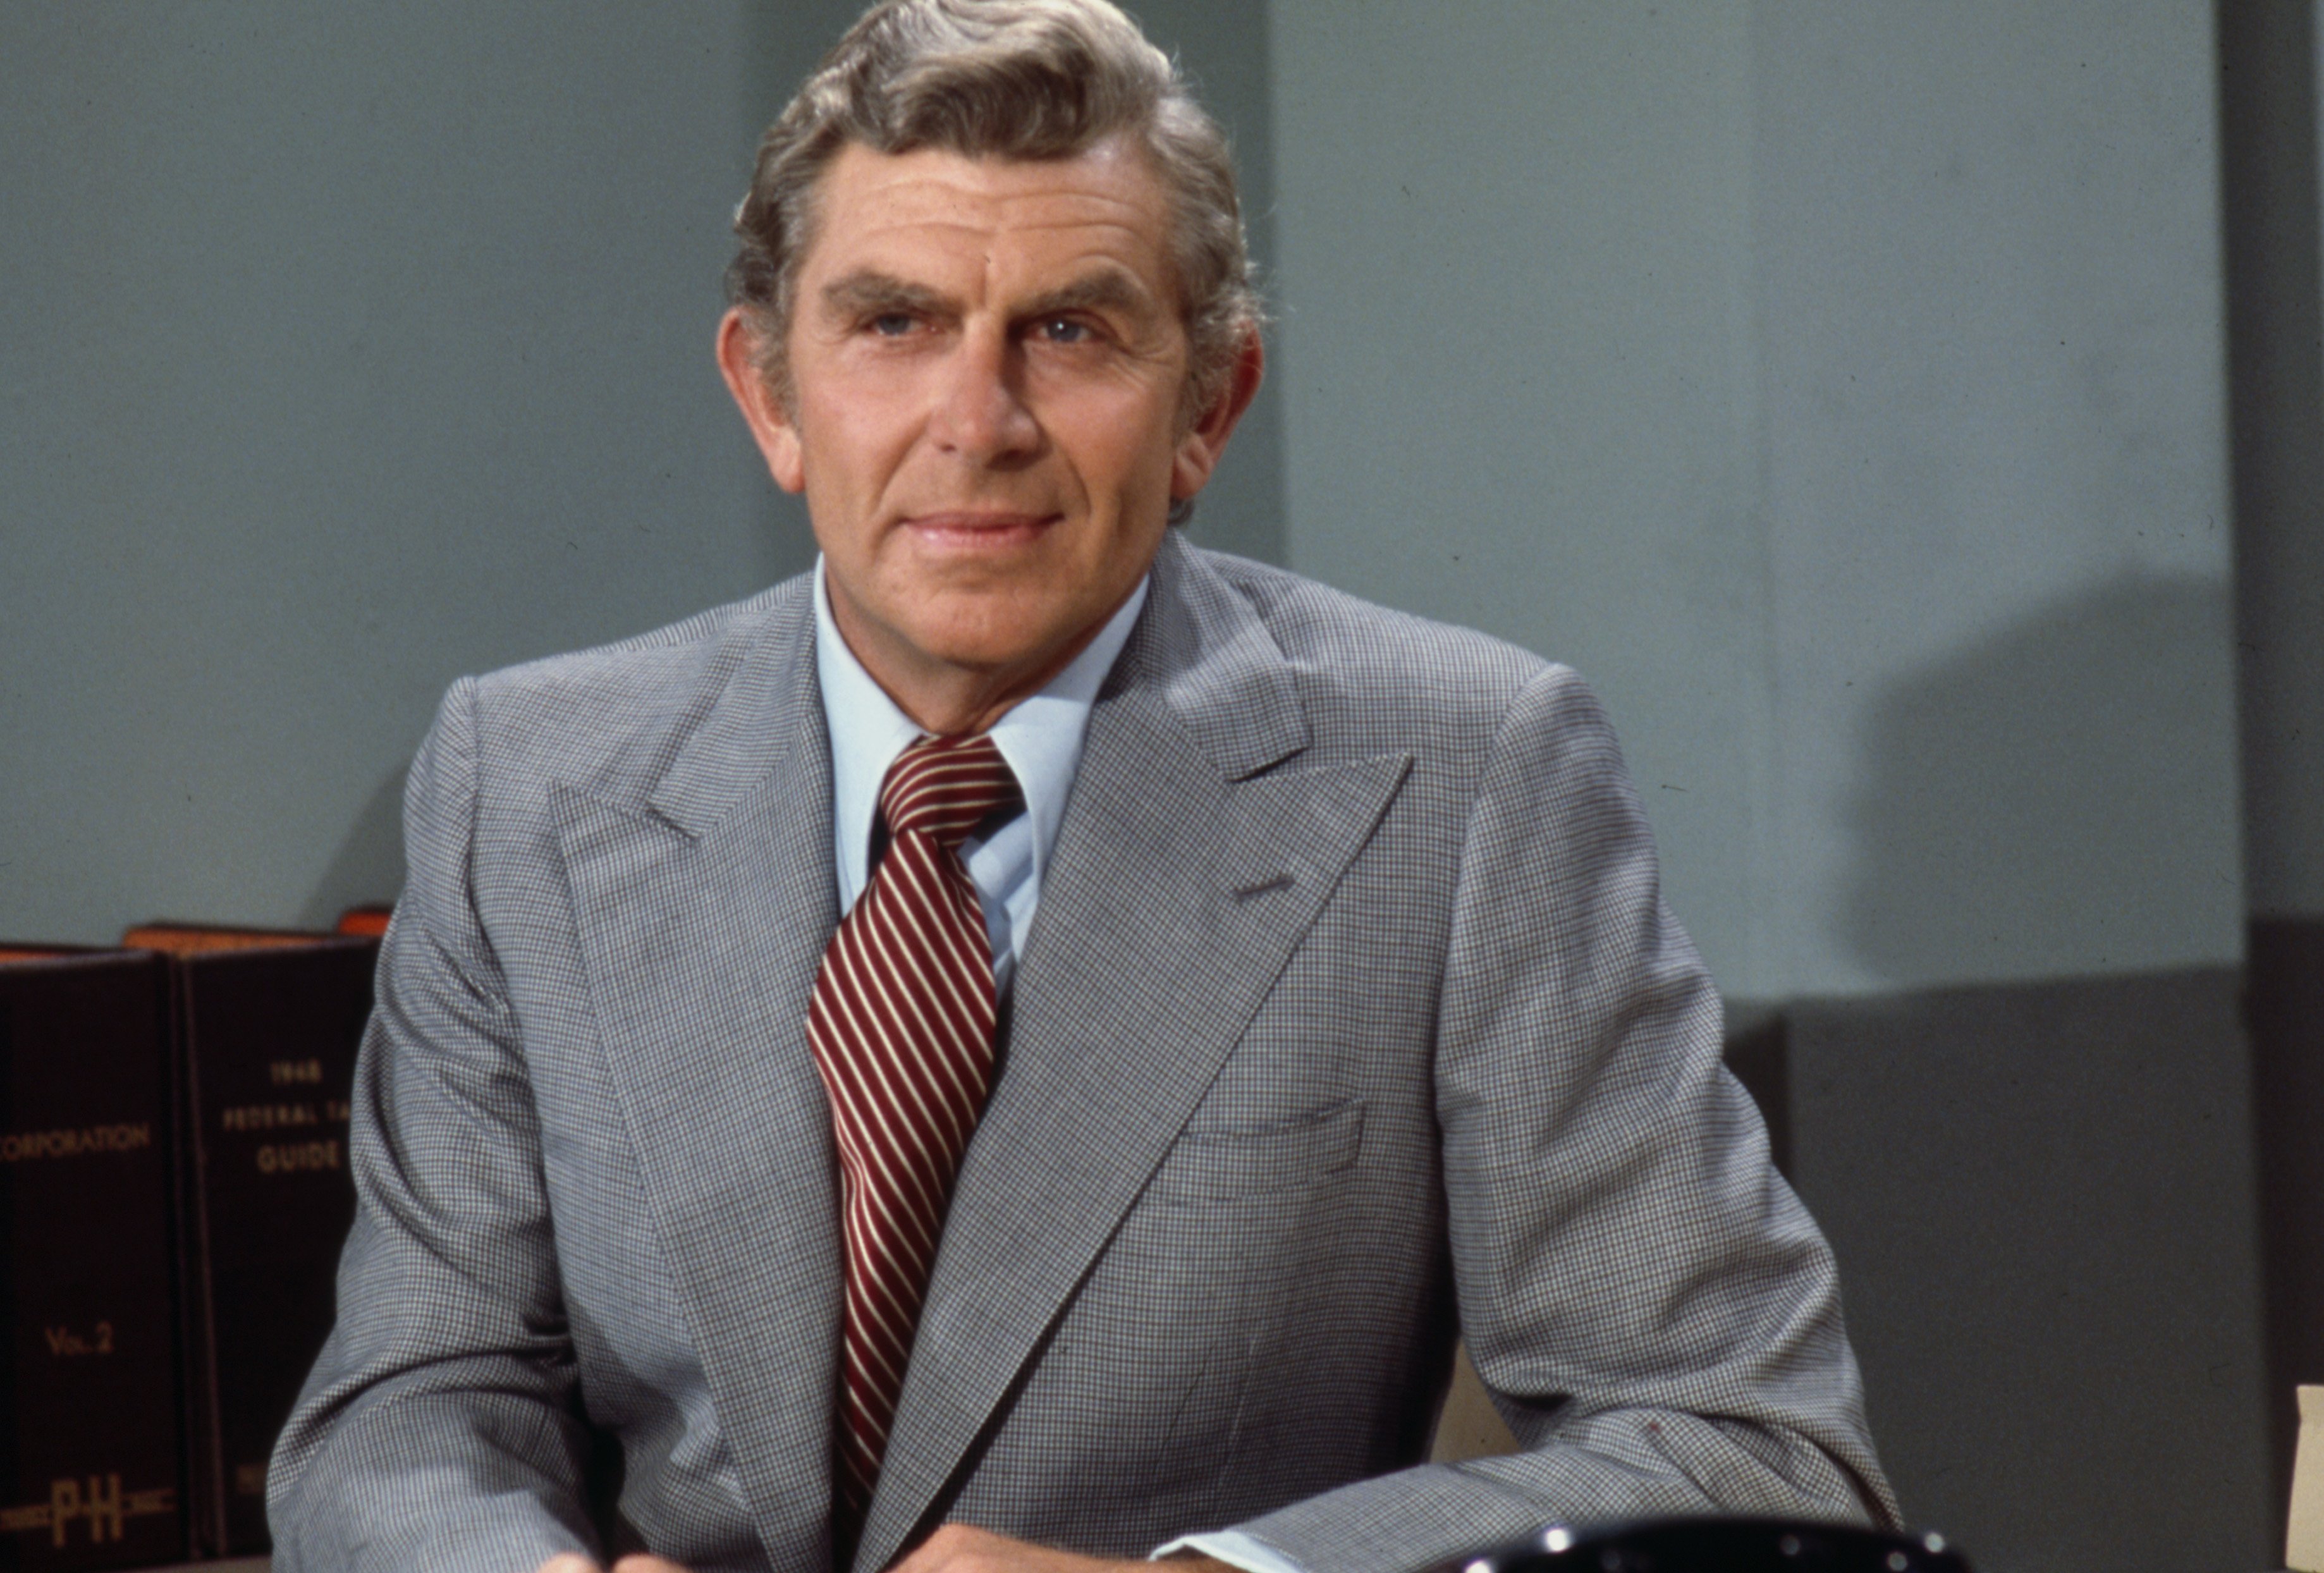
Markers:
623,708
1356,659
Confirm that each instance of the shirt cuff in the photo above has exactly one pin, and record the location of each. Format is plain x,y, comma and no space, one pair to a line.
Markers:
1234,1548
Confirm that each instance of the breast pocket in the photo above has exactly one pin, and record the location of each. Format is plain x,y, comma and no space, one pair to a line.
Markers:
1209,1166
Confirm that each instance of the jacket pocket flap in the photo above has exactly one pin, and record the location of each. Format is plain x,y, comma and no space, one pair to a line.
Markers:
1209,1166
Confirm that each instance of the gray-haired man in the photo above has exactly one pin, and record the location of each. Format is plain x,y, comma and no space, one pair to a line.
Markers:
750,1179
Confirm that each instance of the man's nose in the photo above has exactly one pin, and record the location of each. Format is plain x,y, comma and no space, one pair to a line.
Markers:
980,411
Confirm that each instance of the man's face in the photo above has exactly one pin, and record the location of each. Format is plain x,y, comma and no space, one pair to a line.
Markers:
987,360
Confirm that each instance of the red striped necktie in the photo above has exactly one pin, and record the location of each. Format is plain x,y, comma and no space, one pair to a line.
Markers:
902,1023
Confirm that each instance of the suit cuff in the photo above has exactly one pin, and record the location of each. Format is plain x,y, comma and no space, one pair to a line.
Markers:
1234,1548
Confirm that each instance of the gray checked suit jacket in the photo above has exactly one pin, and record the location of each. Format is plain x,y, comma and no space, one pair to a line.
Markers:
1352,1016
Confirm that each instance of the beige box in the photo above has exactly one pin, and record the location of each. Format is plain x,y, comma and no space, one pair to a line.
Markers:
1468,1426
2303,1547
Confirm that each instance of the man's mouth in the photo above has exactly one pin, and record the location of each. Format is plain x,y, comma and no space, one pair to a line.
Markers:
977,530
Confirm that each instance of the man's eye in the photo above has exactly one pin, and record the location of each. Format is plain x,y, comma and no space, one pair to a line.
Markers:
891,324
1066,330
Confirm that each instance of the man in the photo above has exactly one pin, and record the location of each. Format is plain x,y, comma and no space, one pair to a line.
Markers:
751,1178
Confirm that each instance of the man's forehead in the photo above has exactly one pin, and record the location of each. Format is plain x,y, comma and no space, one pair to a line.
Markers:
1107,198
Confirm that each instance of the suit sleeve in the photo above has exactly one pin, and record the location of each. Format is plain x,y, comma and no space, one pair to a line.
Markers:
1653,1310
440,1427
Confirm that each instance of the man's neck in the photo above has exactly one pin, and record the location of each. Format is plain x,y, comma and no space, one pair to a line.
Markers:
953,700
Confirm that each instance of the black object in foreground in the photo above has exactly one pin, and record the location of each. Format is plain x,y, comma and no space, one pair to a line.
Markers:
1715,1545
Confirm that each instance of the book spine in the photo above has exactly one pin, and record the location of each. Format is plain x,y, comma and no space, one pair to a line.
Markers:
90,1419
270,1042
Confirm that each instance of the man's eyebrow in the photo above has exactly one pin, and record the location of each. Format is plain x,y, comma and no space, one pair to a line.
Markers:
1109,289
867,293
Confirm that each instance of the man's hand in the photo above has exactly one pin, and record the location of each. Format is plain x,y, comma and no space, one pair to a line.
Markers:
953,1549
965,1548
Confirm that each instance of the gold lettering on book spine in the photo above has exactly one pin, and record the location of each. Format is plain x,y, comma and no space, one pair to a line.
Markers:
291,1157
26,1146
267,1117
102,1502
65,1342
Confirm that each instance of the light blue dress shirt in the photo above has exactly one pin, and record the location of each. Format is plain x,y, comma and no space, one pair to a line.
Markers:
1041,739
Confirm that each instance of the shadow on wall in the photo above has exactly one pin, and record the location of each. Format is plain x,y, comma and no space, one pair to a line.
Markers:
369,864
2057,800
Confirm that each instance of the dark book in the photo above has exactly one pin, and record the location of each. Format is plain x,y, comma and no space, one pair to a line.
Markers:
90,1467
267,1027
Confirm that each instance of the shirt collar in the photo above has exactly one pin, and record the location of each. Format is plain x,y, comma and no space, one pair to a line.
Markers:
1039,737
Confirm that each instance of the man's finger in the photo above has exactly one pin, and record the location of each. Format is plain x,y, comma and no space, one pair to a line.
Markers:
568,1562
965,1549
645,1562
961,1547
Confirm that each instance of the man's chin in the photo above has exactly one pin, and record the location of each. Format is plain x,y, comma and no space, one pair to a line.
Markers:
1004,637
996,654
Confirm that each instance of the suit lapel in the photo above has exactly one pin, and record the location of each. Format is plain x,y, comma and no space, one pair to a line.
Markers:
1182,880
702,915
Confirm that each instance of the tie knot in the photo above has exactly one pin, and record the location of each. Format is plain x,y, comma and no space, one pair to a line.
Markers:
945,787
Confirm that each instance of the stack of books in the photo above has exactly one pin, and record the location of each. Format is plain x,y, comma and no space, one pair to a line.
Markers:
174,1193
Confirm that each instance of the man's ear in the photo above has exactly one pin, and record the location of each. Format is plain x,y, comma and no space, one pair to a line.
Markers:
769,423
1199,450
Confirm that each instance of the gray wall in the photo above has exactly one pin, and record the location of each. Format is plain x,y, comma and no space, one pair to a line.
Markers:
2280,430
1998,490
2280,456
1521,389
1838,385
1224,46
1841,387
344,350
